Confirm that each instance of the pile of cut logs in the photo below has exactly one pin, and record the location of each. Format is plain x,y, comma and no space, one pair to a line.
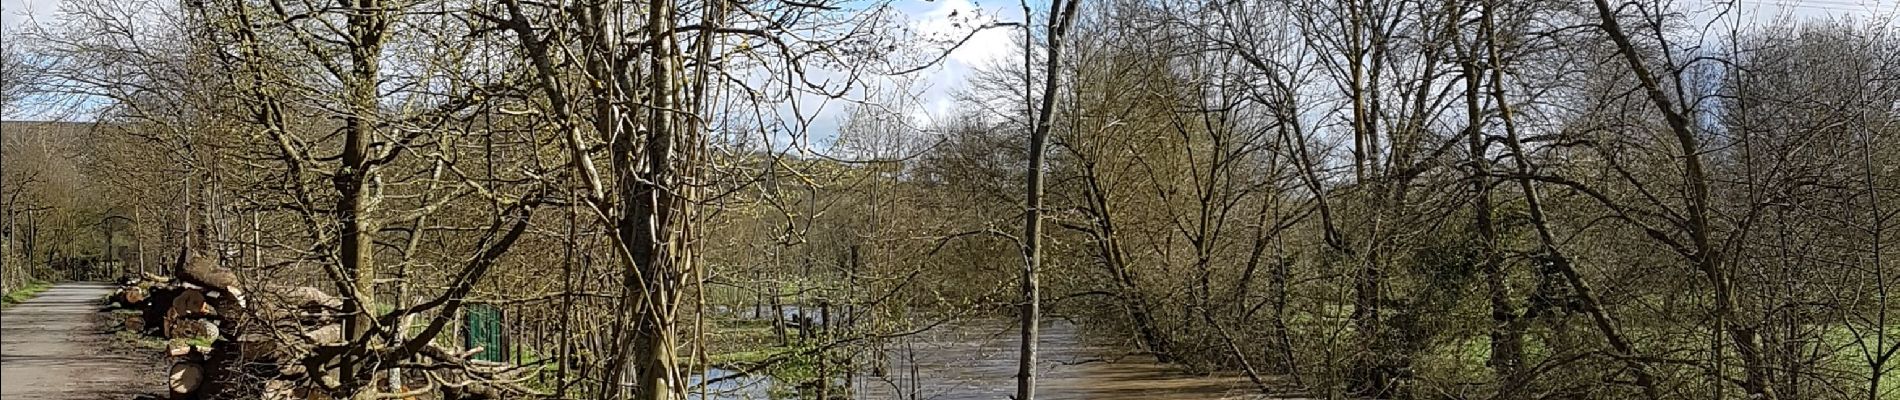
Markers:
221,349
279,343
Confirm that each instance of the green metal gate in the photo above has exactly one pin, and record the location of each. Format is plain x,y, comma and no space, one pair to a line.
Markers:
482,328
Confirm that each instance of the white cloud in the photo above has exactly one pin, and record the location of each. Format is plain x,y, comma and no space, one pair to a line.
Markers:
937,24
952,20
942,23
18,12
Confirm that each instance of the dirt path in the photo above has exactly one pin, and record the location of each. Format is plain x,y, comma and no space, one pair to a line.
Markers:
52,347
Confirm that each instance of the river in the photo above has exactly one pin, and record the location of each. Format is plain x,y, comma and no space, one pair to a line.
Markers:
972,361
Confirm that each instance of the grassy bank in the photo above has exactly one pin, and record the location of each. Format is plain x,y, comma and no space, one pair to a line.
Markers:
751,346
23,294
1840,362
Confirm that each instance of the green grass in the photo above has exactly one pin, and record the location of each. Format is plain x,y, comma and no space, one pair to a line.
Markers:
745,358
136,340
794,371
200,341
23,294
738,345
1463,359
1847,355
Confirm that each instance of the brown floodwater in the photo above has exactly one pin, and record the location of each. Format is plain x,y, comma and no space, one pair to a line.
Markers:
977,361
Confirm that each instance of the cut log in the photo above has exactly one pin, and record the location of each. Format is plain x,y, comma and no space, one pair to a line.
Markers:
185,378
134,322
192,304
185,318
304,305
178,348
155,278
129,296
186,350
190,328
216,338
198,266
158,305
327,334
135,295
300,297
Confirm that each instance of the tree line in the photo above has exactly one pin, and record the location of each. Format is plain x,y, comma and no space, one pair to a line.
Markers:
1370,198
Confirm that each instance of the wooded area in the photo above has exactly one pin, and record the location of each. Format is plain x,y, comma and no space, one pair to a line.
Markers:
607,199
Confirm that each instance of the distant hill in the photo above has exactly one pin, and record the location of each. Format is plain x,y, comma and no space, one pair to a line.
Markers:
34,128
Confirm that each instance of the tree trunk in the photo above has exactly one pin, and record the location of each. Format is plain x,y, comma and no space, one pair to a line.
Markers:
651,225
1061,13
1108,243
1507,333
1707,257
367,24
138,240
1506,341
1371,371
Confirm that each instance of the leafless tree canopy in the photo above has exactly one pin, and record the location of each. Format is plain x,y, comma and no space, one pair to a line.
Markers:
664,199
